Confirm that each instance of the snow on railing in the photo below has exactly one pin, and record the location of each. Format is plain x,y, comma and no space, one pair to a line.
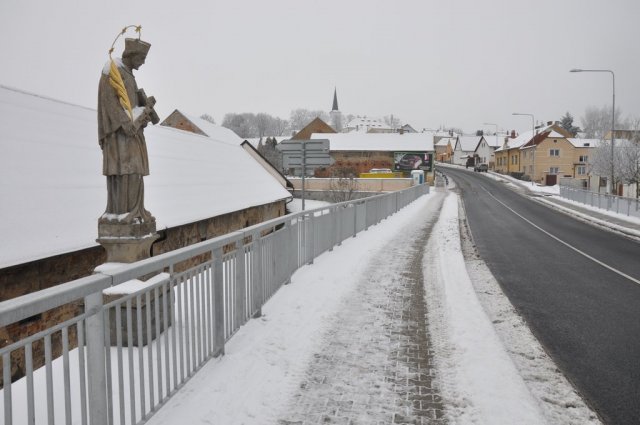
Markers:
618,204
147,327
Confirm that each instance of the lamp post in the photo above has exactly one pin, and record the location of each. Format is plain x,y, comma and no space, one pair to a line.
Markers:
613,119
533,135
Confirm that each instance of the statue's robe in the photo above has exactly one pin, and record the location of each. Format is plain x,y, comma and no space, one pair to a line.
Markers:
125,158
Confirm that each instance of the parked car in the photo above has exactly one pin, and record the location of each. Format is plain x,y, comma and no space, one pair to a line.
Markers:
481,168
381,171
410,162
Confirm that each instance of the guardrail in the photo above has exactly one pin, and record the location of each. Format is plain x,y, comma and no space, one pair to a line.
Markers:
619,204
140,338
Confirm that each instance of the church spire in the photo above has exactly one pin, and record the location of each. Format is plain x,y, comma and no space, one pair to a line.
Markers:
335,100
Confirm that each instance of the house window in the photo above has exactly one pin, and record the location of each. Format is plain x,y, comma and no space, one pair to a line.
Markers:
553,170
581,170
583,158
554,152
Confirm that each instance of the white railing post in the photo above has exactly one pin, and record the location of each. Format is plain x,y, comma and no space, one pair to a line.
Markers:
218,299
97,389
355,219
241,284
256,263
311,243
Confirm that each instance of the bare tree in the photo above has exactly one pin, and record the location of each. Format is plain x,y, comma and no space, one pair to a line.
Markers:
242,124
596,122
262,123
630,164
278,126
301,117
392,121
208,117
343,184
602,159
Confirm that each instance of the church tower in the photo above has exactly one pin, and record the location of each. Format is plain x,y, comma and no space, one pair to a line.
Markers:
335,114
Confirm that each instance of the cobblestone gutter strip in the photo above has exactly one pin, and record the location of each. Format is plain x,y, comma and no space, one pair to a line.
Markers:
377,365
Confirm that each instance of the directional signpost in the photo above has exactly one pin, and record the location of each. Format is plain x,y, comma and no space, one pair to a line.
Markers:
305,154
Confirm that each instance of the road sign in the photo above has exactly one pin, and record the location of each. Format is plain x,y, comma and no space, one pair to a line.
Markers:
316,145
296,161
313,153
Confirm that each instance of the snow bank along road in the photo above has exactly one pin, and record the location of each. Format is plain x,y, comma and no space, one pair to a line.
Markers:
347,342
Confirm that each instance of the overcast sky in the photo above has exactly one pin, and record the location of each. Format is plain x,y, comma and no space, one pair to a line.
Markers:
431,63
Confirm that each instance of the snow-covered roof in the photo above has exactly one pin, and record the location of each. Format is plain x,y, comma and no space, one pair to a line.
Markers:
364,123
445,141
378,142
519,141
52,190
468,143
495,141
584,143
524,138
216,132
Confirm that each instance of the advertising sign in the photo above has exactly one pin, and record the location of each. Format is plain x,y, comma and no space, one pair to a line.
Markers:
406,161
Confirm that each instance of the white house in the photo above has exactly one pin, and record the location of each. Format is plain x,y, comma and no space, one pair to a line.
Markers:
486,149
465,147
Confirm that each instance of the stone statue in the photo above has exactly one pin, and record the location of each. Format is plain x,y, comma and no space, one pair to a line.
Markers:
123,113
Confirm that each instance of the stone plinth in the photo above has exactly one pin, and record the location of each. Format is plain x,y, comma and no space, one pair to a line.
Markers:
127,243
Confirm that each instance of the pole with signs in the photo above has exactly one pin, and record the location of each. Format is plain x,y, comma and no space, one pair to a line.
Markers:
304,170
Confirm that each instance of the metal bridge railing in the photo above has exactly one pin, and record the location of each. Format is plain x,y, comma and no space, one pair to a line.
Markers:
147,327
618,204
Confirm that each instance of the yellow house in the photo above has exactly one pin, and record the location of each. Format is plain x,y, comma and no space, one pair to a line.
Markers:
582,158
541,156
444,149
508,155
548,155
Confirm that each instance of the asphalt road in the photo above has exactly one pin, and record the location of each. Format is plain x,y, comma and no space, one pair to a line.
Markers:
577,286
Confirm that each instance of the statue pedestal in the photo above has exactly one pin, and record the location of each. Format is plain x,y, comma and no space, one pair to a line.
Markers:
127,243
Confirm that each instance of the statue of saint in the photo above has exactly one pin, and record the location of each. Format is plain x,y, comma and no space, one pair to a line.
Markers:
123,113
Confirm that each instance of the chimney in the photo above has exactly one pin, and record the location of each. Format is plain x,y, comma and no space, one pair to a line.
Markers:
549,122
513,134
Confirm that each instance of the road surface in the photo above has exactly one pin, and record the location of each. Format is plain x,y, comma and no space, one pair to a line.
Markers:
577,286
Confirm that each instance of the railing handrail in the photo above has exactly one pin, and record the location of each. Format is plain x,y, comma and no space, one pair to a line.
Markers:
565,187
29,305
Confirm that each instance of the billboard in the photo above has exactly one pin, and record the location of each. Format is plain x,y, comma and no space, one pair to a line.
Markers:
406,161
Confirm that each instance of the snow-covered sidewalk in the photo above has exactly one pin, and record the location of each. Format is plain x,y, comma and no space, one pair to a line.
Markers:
347,342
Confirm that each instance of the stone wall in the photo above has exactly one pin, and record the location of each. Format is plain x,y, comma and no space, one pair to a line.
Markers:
360,185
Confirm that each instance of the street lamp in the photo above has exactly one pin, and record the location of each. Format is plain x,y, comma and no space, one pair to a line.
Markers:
533,135
613,118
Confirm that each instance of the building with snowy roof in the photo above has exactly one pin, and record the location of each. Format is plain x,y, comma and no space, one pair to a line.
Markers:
365,124
53,190
543,156
444,149
464,148
360,152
